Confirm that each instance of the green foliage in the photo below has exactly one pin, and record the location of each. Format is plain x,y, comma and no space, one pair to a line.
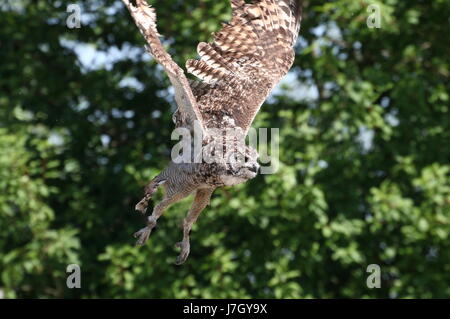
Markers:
364,173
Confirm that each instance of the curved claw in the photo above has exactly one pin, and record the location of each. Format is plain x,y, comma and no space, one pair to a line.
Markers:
142,235
185,249
145,232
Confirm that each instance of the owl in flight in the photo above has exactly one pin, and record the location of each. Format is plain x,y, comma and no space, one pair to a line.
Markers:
236,73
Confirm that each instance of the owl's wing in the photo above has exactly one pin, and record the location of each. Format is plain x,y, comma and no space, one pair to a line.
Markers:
248,57
145,18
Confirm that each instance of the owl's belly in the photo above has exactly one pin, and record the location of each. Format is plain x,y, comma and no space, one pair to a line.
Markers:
230,180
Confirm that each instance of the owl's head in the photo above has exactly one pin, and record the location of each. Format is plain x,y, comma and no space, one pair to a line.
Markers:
241,166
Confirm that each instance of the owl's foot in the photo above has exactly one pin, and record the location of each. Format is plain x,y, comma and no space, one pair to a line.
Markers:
185,249
143,234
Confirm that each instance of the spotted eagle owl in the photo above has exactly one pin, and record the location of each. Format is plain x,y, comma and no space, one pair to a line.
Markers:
236,73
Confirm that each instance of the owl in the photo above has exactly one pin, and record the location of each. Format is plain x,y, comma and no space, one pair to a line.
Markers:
235,74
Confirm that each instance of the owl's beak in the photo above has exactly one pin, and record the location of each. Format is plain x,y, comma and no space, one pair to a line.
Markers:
254,168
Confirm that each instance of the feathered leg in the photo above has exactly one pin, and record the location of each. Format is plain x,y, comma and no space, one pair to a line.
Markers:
201,200
143,234
149,190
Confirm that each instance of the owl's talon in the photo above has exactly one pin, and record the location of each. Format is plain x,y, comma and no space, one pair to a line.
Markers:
185,249
143,234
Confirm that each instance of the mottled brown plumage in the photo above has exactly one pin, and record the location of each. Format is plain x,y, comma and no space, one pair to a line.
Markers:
236,72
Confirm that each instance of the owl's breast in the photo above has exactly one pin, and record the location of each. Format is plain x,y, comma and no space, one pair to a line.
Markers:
230,180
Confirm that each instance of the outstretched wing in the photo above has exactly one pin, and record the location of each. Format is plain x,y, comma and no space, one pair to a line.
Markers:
145,17
248,57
